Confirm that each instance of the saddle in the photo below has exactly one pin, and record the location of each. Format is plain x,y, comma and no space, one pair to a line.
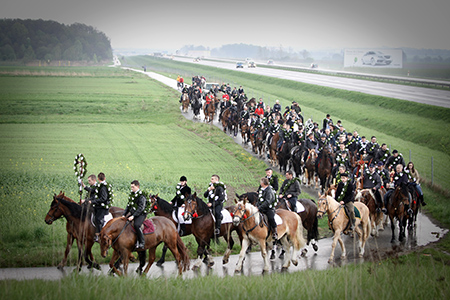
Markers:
357,215
147,227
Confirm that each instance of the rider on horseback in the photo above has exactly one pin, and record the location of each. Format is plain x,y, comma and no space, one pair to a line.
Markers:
136,210
101,203
290,190
399,178
371,180
216,196
266,204
90,195
183,190
345,196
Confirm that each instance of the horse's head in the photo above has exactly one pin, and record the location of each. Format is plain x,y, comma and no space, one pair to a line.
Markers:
322,205
109,234
55,211
240,211
153,202
190,207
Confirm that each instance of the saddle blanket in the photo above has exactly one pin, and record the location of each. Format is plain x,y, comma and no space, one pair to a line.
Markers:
147,227
300,207
357,213
180,219
106,219
278,219
226,217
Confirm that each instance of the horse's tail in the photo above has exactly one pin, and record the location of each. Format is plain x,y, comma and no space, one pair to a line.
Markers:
299,241
185,260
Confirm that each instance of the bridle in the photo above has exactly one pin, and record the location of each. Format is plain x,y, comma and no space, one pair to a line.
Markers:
244,218
52,217
115,240
194,214
337,210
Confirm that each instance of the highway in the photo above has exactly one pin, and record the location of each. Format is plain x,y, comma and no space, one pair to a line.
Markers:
429,96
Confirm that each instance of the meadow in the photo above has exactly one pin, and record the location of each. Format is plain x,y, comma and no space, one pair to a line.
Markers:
129,127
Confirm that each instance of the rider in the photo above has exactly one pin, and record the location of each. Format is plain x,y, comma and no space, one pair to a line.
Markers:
216,196
395,159
183,190
92,180
399,178
290,190
345,196
371,180
414,178
101,203
266,204
136,210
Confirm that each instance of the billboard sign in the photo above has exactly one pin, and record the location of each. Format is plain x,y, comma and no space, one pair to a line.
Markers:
374,58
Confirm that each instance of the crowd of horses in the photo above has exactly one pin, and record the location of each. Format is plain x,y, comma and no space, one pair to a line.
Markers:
247,223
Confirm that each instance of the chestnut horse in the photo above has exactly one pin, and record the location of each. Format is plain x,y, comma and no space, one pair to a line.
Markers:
79,227
118,235
273,149
309,168
209,113
397,206
203,229
324,167
367,197
338,221
290,233
163,208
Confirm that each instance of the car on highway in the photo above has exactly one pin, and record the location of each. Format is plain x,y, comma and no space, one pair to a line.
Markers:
239,64
251,64
375,58
270,62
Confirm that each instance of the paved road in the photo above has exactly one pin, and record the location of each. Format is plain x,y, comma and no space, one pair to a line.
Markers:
411,93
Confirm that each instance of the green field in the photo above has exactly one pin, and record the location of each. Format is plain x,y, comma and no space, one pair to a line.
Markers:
129,127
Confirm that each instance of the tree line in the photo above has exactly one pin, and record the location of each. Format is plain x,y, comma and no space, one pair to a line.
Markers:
49,40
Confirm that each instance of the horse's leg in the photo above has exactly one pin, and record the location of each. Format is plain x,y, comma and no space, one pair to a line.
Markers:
151,258
361,235
114,263
163,256
63,262
262,244
392,228
287,258
245,245
126,260
230,243
200,251
88,255
80,255
172,245
336,236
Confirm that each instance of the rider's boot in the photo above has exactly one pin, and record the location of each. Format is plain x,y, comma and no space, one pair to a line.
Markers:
140,239
182,229
274,233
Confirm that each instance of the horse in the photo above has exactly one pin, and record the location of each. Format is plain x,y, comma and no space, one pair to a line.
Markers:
210,111
290,233
233,123
309,168
273,149
245,132
397,208
338,222
367,197
185,102
284,154
79,227
196,105
324,167
118,235
203,229
296,160
309,219
259,140
163,208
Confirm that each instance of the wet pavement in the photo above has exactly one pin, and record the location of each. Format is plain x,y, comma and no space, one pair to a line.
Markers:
376,248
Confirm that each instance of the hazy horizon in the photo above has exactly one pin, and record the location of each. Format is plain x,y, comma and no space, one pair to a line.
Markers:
286,23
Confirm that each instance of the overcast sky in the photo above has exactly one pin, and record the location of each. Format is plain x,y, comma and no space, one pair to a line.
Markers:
298,24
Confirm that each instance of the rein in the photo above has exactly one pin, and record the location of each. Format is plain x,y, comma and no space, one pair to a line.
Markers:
123,229
242,220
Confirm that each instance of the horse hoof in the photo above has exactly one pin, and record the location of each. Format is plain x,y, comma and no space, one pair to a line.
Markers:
159,263
225,261
195,268
284,269
330,260
315,247
294,262
281,256
60,267
211,264
392,240
272,256
304,251
343,257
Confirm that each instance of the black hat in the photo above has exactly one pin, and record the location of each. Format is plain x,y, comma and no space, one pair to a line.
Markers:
380,163
371,165
268,169
395,151
344,174
183,178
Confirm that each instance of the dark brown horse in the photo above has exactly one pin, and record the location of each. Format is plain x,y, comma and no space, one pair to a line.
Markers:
397,206
245,132
118,235
79,227
273,149
367,197
309,219
324,167
163,208
185,102
203,229
309,168
210,111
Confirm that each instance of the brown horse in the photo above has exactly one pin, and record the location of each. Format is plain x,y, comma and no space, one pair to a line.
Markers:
367,197
225,119
185,102
309,168
79,227
290,233
397,206
324,167
273,149
338,222
203,229
309,219
118,235
163,208
210,111
245,132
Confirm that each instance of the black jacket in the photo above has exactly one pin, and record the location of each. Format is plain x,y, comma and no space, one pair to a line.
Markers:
178,200
349,194
267,199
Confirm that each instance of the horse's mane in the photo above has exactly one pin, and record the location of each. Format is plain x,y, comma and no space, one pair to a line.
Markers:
253,210
74,208
164,205
202,206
